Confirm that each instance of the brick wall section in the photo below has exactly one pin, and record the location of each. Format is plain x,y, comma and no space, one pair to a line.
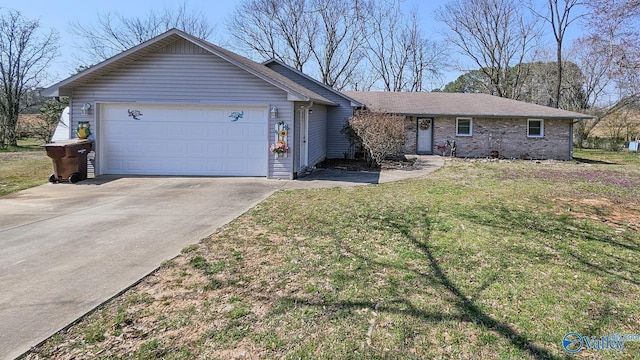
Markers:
508,137
411,129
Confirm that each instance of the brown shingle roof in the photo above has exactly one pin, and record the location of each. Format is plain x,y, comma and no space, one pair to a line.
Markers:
456,104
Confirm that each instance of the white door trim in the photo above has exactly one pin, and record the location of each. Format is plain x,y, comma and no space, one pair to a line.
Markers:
303,141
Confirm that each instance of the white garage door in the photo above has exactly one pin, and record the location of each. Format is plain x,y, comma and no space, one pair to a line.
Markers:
183,140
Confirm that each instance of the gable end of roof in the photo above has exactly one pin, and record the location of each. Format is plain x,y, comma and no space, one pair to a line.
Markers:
294,90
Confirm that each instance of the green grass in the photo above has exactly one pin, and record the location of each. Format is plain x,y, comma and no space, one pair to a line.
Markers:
26,144
23,167
494,260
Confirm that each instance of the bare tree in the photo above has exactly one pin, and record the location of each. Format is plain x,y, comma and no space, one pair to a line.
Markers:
24,57
114,32
496,35
328,35
602,94
595,66
276,29
610,60
399,55
426,57
615,27
337,39
382,40
559,18
332,38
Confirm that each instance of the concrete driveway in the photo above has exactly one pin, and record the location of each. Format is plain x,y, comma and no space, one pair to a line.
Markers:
64,249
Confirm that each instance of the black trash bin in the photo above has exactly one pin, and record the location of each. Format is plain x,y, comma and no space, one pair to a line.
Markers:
69,159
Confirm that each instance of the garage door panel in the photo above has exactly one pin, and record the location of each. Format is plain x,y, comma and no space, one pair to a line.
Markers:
237,132
139,148
117,148
252,147
115,165
235,167
175,147
254,133
197,149
215,166
216,148
176,140
151,132
195,166
141,165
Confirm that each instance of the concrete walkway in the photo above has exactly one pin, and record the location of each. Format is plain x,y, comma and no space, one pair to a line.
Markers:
65,249
319,178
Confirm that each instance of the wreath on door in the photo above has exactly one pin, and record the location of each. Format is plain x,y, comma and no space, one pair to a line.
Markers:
425,124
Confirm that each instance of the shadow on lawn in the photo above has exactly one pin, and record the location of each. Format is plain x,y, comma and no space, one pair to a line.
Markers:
548,224
601,269
592,161
574,239
468,311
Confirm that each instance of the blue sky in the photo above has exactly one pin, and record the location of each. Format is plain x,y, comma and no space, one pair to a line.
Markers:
58,15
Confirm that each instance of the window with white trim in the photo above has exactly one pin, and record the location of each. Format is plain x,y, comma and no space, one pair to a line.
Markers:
464,127
535,128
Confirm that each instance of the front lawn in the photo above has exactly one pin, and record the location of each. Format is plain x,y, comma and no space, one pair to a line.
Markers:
23,167
482,259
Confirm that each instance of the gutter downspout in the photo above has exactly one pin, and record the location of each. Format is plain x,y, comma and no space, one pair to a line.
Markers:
308,107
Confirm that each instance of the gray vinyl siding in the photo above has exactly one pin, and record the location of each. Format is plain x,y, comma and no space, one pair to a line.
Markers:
282,167
337,144
317,132
182,73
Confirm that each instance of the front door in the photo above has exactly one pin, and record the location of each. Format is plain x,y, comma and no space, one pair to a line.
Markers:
425,136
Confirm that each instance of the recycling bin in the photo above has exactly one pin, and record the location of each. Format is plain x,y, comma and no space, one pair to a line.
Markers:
69,159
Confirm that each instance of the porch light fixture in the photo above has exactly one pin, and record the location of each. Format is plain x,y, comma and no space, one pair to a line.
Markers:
274,112
86,109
